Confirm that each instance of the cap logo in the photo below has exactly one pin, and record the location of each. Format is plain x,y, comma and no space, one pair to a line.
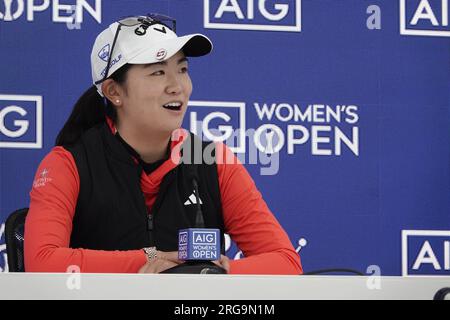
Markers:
162,30
161,54
142,29
104,53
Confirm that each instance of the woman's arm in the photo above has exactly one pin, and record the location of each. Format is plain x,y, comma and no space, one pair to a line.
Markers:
250,223
49,224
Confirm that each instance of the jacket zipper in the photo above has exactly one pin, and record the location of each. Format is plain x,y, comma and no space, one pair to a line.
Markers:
149,222
150,226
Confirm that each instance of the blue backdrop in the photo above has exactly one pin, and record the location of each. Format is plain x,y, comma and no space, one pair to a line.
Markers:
349,99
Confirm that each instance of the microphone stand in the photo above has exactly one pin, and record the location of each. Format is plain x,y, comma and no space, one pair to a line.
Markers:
197,266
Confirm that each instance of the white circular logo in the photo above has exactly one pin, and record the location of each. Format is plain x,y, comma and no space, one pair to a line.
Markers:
161,54
8,15
273,138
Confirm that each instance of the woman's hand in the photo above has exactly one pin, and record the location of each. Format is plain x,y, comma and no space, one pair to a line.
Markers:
164,261
223,262
167,260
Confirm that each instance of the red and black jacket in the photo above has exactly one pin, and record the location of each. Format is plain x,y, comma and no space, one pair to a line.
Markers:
111,213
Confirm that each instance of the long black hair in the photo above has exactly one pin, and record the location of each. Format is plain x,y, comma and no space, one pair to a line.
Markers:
90,110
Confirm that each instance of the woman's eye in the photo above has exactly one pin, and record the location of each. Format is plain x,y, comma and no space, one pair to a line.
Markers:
158,73
184,69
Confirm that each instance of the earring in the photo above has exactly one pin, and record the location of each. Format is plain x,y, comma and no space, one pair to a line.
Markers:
117,101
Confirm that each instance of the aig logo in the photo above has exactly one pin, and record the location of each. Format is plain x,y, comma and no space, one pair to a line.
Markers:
424,18
425,252
219,121
262,15
4,267
204,237
11,10
20,121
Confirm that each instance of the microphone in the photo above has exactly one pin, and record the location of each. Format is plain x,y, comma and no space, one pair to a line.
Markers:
198,246
199,222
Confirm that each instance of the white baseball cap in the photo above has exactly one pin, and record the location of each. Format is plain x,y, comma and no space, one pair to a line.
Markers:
140,40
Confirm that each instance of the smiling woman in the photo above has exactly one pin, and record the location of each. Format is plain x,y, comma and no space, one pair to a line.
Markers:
151,104
116,197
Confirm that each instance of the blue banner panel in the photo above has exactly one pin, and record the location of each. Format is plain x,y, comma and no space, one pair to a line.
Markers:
340,111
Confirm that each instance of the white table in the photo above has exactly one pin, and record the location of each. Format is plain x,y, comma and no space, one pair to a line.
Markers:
220,287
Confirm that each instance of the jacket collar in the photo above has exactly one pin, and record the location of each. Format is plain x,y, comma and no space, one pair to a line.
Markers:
149,182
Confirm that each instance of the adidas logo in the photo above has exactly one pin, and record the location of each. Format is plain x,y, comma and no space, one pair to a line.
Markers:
192,199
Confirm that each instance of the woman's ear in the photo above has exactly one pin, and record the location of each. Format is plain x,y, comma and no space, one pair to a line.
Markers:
112,92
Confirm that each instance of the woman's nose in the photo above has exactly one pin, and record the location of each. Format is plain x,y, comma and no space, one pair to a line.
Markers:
173,85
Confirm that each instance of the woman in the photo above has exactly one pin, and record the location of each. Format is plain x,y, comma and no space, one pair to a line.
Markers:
111,196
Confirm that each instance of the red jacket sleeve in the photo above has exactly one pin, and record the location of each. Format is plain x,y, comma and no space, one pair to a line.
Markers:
49,224
249,222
